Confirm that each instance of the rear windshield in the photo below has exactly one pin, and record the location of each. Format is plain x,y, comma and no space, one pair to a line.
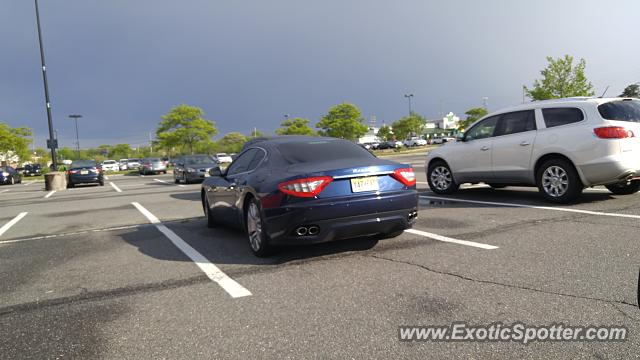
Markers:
83,163
623,110
198,160
321,150
109,162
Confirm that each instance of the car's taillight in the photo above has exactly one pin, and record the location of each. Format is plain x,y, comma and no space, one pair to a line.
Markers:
406,176
73,171
307,187
613,132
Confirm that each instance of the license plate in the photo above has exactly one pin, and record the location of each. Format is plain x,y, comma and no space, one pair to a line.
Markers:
84,172
365,184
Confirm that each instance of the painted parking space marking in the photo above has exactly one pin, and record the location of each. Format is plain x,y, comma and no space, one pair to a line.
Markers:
115,187
451,240
4,191
44,237
49,194
168,183
232,287
13,221
492,203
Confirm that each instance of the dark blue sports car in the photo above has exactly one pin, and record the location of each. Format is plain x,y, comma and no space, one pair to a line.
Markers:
302,190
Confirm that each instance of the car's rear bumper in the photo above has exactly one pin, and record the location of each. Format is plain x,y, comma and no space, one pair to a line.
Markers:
85,179
611,169
342,219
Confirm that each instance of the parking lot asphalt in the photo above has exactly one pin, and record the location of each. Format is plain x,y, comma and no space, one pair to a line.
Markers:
129,270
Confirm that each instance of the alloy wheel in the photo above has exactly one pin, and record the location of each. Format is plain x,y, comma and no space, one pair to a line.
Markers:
441,178
555,181
254,227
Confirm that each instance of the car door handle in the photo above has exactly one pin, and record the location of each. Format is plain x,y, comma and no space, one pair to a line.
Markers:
525,143
484,148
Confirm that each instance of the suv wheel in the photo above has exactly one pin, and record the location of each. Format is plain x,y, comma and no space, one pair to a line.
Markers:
258,240
441,179
558,181
625,188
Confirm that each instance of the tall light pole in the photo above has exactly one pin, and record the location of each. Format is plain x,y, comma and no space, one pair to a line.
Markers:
76,117
52,143
485,101
409,96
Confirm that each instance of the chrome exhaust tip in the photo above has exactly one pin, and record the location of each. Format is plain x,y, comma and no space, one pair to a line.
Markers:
314,230
302,231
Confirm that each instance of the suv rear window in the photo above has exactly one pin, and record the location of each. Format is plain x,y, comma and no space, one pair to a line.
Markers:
321,150
623,110
561,116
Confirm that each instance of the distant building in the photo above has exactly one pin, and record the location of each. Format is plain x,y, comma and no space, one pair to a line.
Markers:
371,136
450,121
8,158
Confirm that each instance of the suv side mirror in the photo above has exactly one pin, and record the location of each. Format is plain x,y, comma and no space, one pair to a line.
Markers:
461,137
216,171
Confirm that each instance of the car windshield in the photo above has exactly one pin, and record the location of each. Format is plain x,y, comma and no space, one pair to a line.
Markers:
623,110
83,163
109,162
196,160
321,150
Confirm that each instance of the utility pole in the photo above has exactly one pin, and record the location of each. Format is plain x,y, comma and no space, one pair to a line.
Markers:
150,143
485,101
76,117
52,143
409,96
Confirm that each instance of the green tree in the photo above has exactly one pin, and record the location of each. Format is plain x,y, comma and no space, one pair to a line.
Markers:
385,133
343,121
43,155
631,91
296,126
232,142
120,151
472,116
408,125
67,153
184,127
561,79
15,141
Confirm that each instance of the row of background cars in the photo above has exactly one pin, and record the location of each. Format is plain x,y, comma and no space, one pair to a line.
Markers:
411,142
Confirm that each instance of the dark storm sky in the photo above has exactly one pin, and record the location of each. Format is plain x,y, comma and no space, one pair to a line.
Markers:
124,63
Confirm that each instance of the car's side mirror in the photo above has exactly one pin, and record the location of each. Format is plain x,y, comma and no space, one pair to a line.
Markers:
461,137
216,171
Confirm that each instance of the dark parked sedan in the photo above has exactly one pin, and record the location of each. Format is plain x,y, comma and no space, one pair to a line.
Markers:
84,172
32,170
9,175
302,190
193,168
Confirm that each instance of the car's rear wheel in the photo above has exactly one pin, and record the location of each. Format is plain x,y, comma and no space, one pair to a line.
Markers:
258,240
101,182
185,179
441,179
70,185
12,181
558,181
626,188
175,179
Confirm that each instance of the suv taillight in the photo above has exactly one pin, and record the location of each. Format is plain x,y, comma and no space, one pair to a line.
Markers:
406,176
307,187
613,132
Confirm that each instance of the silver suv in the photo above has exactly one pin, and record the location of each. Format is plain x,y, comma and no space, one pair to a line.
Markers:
561,146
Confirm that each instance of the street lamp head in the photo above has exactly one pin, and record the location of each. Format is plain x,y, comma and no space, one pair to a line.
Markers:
75,116
408,95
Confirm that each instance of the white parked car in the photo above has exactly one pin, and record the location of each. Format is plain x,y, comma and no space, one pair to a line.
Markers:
223,158
443,140
123,164
415,141
110,165
561,146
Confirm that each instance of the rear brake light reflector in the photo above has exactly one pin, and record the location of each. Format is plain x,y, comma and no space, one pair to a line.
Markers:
613,132
307,187
406,176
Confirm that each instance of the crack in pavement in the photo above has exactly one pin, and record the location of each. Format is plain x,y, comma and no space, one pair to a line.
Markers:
520,287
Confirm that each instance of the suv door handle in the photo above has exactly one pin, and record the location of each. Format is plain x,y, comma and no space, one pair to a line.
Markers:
484,148
525,143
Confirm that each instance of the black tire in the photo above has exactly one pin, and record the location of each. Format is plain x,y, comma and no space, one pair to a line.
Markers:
561,171
259,244
12,181
211,223
625,188
175,179
101,182
70,185
497,186
447,184
185,179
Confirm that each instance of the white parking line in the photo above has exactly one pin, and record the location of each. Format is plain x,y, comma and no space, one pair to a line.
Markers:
451,240
587,212
4,191
72,234
115,187
168,183
213,272
49,194
13,221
